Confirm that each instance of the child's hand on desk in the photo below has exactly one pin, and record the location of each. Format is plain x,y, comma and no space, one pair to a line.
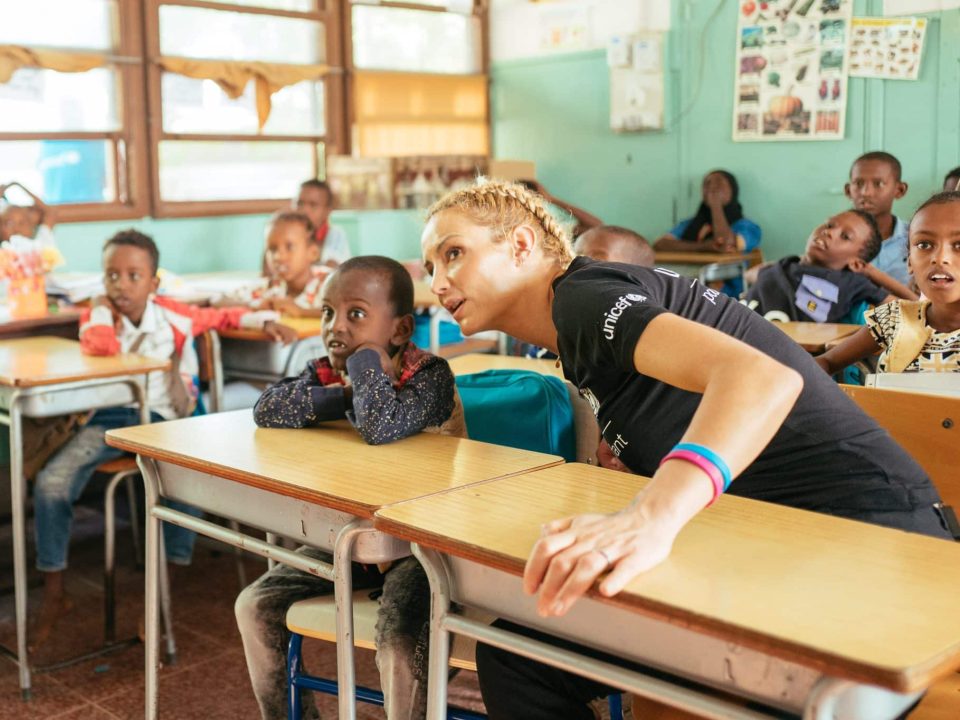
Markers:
279,332
386,362
286,306
104,301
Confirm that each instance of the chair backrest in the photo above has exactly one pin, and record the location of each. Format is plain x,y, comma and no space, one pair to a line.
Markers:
927,426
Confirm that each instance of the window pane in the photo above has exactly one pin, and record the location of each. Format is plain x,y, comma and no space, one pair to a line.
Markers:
460,6
233,170
45,101
200,106
295,5
415,40
221,35
80,24
62,171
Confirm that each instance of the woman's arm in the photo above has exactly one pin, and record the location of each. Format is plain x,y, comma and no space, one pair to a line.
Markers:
746,397
856,347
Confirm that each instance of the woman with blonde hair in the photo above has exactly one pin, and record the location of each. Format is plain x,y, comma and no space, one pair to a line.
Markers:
689,388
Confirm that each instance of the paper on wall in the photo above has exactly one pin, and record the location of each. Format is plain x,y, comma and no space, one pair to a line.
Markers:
888,48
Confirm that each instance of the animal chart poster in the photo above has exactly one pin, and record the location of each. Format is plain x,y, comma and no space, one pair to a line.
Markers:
791,73
888,48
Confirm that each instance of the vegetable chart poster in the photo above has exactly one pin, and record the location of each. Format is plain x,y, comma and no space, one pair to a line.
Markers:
791,74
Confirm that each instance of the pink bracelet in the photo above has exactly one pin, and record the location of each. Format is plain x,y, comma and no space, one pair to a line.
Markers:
704,464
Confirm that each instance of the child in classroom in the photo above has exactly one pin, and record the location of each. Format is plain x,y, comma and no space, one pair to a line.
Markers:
612,243
951,181
875,184
128,319
34,222
290,262
831,279
924,335
388,389
315,200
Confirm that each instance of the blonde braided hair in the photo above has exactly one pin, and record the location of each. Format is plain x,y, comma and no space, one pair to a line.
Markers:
504,206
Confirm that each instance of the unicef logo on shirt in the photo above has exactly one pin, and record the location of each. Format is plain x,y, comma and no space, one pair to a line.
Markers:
612,316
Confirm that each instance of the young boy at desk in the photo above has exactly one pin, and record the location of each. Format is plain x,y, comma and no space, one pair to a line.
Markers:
128,319
875,184
389,389
34,222
612,243
315,200
832,277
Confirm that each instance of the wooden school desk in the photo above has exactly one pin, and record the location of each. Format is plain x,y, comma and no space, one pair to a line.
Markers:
813,337
64,323
802,612
318,486
42,377
708,266
478,362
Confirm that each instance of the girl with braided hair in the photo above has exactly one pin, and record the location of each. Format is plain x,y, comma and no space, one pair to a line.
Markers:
689,387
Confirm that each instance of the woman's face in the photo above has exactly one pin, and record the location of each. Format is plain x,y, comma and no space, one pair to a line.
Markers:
716,186
474,274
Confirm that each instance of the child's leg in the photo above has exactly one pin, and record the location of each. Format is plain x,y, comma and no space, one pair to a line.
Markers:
261,611
178,541
57,487
403,631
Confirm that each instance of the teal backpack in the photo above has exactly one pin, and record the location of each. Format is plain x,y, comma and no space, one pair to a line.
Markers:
519,408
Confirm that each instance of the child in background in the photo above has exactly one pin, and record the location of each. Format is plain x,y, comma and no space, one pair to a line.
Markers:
951,181
875,183
127,319
580,220
831,279
917,336
34,222
388,389
316,202
611,243
290,259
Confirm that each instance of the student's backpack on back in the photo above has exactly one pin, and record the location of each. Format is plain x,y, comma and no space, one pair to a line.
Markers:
520,409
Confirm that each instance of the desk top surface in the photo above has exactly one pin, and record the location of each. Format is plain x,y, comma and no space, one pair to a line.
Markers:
813,337
479,362
853,600
423,296
305,327
673,257
36,361
330,465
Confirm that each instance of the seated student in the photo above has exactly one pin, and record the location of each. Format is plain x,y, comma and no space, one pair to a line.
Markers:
875,183
718,225
831,279
30,221
389,389
291,256
919,336
612,243
127,319
951,181
316,202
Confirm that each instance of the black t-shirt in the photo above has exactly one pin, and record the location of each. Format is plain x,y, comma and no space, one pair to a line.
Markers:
828,455
810,293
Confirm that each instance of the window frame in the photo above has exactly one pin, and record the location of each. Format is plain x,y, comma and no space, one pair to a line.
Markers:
129,142
327,12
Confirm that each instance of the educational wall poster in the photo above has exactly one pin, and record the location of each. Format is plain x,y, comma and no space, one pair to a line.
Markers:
791,72
889,48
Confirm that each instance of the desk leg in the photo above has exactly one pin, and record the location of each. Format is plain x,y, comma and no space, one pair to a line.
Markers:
17,507
439,638
343,593
435,331
148,469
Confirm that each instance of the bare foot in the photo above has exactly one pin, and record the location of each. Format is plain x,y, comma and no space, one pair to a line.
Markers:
51,612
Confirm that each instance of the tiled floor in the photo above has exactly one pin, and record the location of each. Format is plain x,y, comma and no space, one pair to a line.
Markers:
209,680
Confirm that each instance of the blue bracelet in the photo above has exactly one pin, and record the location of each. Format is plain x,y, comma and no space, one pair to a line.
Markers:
712,457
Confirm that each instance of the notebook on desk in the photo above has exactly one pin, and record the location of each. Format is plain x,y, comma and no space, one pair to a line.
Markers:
945,383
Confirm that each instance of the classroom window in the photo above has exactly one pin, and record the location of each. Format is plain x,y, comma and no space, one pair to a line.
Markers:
419,85
70,106
241,96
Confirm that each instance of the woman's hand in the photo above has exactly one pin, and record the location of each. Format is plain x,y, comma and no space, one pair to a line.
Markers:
573,552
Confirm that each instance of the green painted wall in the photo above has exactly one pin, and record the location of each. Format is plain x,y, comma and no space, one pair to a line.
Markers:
235,242
555,111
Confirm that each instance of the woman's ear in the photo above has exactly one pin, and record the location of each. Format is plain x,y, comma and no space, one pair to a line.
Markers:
522,241
402,330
